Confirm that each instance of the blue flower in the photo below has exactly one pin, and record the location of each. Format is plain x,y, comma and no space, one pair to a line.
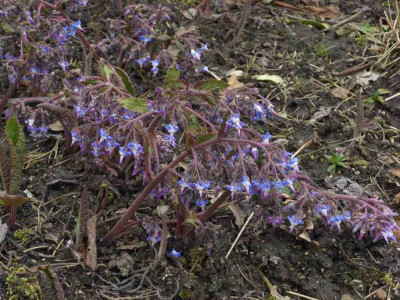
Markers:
43,129
234,188
171,128
201,203
337,220
110,145
196,54
205,69
291,165
204,47
145,39
135,148
201,186
75,137
104,136
174,253
246,183
323,209
258,112
294,221
76,25
266,138
122,153
155,63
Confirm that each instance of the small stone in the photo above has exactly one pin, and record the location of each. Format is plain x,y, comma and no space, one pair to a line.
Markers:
347,297
381,294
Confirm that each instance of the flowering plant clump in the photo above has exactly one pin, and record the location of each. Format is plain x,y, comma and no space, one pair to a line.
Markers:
191,145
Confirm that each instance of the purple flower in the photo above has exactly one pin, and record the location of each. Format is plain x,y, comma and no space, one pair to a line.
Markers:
205,69
183,184
82,2
234,188
294,221
275,220
254,151
141,61
63,64
80,111
96,149
31,126
43,129
235,122
386,234
174,253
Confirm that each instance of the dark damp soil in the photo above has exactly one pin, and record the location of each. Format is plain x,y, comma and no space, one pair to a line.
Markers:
272,42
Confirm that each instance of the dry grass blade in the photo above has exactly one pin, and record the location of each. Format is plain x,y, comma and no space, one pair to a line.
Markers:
83,218
91,251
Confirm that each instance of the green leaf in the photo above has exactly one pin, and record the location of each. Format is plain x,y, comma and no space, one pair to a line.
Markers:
205,138
8,28
209,100
125,80
12,129
211,84
105,70
172,76
90,82
135,104
331,168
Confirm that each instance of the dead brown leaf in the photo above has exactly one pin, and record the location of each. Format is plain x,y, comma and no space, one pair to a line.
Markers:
233,82
340,92
136,244
14,200
397,198
395,172
56,126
